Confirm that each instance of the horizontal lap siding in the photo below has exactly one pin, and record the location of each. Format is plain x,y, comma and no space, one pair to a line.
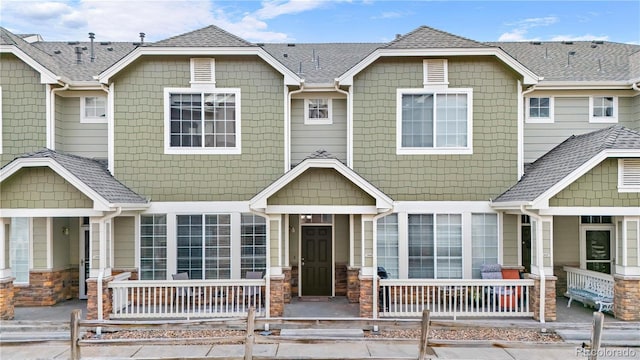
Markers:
88,140
306,139
23,109
489,171
140,161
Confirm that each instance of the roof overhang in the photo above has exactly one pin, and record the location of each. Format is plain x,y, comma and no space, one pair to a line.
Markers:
584,85
529,78
383,202
46,75
290,78
99,202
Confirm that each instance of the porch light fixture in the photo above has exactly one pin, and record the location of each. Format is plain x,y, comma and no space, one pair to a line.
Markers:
65,230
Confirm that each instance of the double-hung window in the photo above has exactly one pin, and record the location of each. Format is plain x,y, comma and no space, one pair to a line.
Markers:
434,121
204,245
539,110
19,244
253,241
317,111
387,247
435,246
93,109
153,247
603,109
202,121
484,239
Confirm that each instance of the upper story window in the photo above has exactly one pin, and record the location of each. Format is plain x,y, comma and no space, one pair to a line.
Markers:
629,175
434,121
539,110
202,122
603,109
93,109
317,111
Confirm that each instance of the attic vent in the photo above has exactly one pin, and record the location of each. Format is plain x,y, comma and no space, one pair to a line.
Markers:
629,175
203,70
435,72
568,42
73,43
105,43
535,43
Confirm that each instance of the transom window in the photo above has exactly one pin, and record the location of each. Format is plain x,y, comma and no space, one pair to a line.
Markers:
202,122
604,109
204,246
435,246
540,110
93,109
317,111
437,121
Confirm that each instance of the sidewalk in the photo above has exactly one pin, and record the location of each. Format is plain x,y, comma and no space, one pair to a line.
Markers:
339,350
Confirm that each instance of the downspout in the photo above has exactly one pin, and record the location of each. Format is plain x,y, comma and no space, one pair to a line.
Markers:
287,128
349,116
635,87
539,261
521,120
375,262
103,250
51,123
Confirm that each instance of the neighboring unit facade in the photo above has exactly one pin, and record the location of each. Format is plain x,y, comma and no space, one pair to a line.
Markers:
315,164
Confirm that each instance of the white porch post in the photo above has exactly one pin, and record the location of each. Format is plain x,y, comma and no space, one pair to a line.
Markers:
5,268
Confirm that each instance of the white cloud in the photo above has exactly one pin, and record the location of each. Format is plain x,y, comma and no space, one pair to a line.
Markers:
586,37
515,35
390,15
40,11
522,27
274,8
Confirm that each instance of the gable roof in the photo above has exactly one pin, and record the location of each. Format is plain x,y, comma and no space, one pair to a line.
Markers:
590,61
85,174
36,58
210,36
427,37
565,159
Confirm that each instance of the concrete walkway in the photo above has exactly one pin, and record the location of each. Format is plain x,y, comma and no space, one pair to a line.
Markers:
339,350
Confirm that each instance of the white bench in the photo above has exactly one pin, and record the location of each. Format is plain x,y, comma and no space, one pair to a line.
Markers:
592,294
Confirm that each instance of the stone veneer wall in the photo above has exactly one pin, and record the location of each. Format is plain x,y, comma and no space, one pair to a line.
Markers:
286,271
353,285
341,280
46,288
92,296
626,297
6,299
549,297
276,300
366,296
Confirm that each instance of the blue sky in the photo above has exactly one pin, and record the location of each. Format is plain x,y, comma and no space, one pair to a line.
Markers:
326,20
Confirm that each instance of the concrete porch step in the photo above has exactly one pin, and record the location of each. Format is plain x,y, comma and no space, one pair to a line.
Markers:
322,333
29,336
610,337
33,326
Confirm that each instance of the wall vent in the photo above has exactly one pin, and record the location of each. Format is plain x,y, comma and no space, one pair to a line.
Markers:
630,173
202,70
435,72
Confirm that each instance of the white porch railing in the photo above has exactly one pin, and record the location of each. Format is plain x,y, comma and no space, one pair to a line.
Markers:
590,286
448,297
139,299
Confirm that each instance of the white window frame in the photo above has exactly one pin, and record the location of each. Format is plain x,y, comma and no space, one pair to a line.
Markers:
318,121
204,246
168,149
84,119
437,238
12,252
154,247
625,163
482,239
603,119
466,150
539,120
252,244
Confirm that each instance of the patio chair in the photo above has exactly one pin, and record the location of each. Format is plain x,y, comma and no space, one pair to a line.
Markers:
182,293
253,294
507,298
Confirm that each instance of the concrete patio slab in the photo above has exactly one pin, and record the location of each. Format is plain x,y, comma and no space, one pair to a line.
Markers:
390,349
33,352
547,353
342,350
323,333
237,351
174,351
473,353
108,351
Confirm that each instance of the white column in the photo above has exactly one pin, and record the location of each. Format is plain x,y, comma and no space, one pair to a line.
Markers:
5,266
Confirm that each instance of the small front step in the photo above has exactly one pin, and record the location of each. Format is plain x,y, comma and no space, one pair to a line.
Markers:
322,333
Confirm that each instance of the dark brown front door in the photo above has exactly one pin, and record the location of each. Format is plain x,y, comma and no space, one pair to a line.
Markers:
316,260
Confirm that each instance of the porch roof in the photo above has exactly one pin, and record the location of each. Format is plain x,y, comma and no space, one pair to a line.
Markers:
88,175
567,161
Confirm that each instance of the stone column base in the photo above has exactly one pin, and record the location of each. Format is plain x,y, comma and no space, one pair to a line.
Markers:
366,296
286,291
92,298
626,295
353,285
6,299
276,296
549,297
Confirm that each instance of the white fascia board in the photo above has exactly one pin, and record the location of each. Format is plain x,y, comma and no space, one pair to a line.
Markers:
542,201
509,205
260,200
320,209
290,78
99,203
7,213
444,207
46,76
196,207
130,206
583,85
529,78
578,210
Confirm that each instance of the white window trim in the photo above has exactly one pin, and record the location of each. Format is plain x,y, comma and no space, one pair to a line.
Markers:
311,121
93,119
622,187
0,119
168,149
540,120
211,81
468,150
603,119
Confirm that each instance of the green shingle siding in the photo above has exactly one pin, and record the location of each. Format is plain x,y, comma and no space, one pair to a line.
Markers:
321,187
598,187
41,188
23,109
140,161
488,172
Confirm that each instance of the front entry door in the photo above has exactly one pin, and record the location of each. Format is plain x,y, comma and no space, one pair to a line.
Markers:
316,260
597,249
526,247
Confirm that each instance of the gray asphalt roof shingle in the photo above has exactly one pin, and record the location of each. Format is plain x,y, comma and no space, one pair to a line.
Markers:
427,37
562,160
320,63
591,61
44,59
210,36
93,173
